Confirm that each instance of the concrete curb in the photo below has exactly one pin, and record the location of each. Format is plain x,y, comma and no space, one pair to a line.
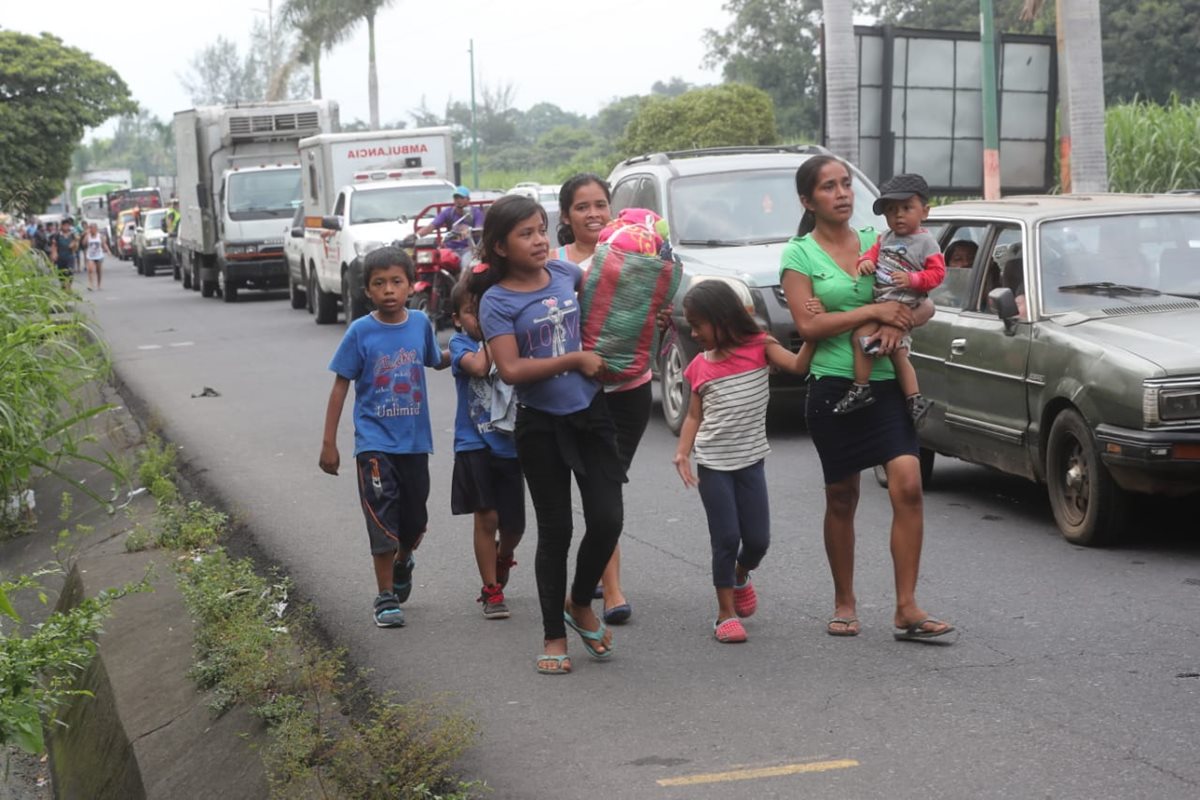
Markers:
147,732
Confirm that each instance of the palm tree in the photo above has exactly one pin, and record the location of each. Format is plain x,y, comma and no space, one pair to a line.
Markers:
841,80
367,9
1081,98
321,24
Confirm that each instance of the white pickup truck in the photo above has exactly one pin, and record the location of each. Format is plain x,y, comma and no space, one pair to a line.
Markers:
361,191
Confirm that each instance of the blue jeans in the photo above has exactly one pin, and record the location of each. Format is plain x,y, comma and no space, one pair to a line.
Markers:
739,519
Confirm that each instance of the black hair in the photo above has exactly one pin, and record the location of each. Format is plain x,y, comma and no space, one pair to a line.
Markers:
806,183
566,199
504,215
384,257
961,244
461,293
717,304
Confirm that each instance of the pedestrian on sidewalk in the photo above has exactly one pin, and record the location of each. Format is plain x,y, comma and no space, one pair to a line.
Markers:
487,476
62,252
96,247
385,354
726,425
530,319
822,261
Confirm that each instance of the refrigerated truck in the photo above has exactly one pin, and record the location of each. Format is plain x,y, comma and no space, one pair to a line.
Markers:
356,189
238,179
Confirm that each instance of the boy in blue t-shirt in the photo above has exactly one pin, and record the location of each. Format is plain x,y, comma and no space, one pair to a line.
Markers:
487,476
385,354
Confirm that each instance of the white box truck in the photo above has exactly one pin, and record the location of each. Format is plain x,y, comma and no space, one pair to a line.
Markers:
238,171
361,190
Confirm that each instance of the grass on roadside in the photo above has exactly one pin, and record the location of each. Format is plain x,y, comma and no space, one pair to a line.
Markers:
254,648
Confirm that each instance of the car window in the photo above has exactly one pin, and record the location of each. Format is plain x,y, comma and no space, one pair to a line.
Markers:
646,196
960,242
624,192
1002,264
340,207
1156,251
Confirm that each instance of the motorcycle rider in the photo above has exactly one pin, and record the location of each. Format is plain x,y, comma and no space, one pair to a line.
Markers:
461,220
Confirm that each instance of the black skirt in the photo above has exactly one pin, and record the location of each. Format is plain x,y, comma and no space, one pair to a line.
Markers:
849,443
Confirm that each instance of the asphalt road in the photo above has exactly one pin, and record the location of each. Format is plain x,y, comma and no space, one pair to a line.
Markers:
1076,674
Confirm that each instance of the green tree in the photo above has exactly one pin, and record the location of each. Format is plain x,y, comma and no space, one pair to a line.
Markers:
542,118
614,118
49,95
774,45
221,75
731,114
142,143
954,15
672,88
321,25
1150,49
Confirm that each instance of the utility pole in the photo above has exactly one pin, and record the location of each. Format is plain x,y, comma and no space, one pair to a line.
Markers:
991,132
474,127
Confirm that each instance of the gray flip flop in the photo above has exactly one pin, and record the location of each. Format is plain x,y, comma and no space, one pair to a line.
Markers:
917,633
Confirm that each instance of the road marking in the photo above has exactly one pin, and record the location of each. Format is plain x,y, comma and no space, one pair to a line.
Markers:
149,347
181,344
759,772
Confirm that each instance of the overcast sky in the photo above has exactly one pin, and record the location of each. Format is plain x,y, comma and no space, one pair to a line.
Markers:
577,55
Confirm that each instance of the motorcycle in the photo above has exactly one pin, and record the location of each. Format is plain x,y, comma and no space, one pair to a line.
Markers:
439,265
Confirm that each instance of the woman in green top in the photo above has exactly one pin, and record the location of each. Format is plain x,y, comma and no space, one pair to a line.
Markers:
822,262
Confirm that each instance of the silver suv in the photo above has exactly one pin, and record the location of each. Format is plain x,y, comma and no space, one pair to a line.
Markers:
731,211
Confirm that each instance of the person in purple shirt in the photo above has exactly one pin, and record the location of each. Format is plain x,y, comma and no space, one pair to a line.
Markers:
460,219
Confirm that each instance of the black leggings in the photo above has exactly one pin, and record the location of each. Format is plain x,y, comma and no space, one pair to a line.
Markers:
544,445
630,412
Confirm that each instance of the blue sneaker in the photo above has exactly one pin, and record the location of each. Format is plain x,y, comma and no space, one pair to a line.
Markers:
388,613
402,578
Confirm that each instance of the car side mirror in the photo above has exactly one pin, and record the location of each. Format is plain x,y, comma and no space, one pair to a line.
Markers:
331,223
298,232
1004,304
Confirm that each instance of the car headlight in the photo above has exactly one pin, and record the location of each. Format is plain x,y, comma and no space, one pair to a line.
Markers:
239,249
424,256
1177,404
362,248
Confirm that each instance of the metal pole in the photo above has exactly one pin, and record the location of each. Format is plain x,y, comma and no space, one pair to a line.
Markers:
474,129
991,135
270,43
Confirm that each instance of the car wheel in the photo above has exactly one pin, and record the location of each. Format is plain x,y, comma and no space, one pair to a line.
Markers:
326,305
148,269
186,269
926,456
1090,509
137,265
675,389
207,288
175,272
310,296
295,292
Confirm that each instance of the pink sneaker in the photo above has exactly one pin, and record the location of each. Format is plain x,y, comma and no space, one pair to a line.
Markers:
745,599
731,631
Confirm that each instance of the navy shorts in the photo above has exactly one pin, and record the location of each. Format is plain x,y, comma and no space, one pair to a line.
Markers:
394,488
484,481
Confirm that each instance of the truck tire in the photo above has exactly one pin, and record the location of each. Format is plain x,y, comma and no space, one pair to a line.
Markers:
353,300
295,292
325,304
229,291
207,288
185,267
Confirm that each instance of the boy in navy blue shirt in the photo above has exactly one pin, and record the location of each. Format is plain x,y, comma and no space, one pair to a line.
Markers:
487,476
385,354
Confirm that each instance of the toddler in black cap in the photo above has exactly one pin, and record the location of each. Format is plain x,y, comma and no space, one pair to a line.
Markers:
907,264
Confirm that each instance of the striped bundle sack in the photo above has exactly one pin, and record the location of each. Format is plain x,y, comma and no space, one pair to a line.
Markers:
629,280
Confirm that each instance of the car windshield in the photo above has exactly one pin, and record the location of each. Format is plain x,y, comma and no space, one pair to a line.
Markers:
739,208
153,220
1135,258
388,205
263,194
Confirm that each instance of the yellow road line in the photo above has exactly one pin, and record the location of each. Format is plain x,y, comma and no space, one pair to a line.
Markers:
759,772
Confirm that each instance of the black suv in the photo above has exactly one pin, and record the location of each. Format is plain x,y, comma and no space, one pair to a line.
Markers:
731,211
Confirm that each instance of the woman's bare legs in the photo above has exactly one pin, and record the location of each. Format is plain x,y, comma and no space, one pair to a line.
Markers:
908,531
841,501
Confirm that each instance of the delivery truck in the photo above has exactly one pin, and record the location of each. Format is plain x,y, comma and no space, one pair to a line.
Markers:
238,178
361,190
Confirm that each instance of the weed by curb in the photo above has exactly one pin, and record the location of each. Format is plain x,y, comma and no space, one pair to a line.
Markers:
328,737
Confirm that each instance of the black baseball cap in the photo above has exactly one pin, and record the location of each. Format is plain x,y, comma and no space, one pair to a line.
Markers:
901,187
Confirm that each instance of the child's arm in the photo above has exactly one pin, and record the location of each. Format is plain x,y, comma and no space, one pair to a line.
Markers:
445,362
476,364
868,260
516,370
687,439
782,358
330,459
